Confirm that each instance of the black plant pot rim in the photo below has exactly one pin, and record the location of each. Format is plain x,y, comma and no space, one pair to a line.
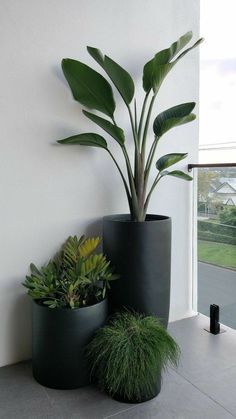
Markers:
67,309
126,218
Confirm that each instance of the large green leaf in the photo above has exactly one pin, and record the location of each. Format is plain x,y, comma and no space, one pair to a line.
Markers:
177,115
169,159
168,54
159,74
187,50
177,173
88,139
121,79
147,75
161,60
119,76
97,55
89,87
156,69
110,128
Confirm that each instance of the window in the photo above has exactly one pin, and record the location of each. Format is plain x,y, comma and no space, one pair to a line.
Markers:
218,82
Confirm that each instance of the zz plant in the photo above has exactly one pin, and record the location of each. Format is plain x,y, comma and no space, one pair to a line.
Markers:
92,90
76,277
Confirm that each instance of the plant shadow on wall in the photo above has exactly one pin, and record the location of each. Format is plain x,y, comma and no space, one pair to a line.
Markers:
92,90
19,321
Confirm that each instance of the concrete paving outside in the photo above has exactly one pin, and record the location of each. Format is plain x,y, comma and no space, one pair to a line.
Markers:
217,286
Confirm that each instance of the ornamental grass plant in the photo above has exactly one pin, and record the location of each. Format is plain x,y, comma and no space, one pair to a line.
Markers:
128,355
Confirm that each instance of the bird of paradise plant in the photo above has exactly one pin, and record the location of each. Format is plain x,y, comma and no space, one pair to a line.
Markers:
92,90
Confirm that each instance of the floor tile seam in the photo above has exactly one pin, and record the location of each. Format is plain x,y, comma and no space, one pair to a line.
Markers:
220,370
233,365
29,367
207,395
51,401
122,411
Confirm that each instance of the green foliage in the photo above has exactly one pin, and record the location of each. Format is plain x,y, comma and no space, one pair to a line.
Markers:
206,177
214,237
168,160
88,139
116,132
228,216
156,70
127,355
159,64
92,90
220,254
216,232
118,75
201,207
216,228
75,277
177,115
177,173
89,87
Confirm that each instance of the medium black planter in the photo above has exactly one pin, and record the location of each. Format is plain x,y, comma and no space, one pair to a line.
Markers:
59,340
153,393
141,253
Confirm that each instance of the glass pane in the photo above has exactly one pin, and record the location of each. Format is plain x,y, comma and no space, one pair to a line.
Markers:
217,242
217,75
221,155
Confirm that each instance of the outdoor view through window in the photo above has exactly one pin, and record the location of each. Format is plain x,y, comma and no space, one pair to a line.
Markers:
217,186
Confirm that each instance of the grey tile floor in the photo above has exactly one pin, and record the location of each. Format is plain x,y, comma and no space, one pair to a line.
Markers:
203,387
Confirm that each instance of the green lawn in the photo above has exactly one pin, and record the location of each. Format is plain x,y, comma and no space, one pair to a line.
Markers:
220,254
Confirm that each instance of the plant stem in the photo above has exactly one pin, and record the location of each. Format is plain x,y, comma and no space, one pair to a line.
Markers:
142,116
136,181
137,164
133,129
151,156
135,116
137,158
146,127
132,199
113,120
157,179
148,167
123,178
139,172
131,180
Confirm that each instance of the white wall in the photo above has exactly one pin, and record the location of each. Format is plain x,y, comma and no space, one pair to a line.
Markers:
48,191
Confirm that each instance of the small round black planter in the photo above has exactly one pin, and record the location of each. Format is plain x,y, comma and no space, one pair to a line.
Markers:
59,340
153,393
141,253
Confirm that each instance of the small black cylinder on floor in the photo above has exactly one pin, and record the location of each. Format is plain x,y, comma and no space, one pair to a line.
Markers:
141,253
214,319
59,340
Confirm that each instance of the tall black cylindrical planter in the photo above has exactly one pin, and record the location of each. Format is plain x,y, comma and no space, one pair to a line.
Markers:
141,253
59,340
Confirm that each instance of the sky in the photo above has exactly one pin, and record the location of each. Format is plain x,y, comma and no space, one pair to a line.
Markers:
218,80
